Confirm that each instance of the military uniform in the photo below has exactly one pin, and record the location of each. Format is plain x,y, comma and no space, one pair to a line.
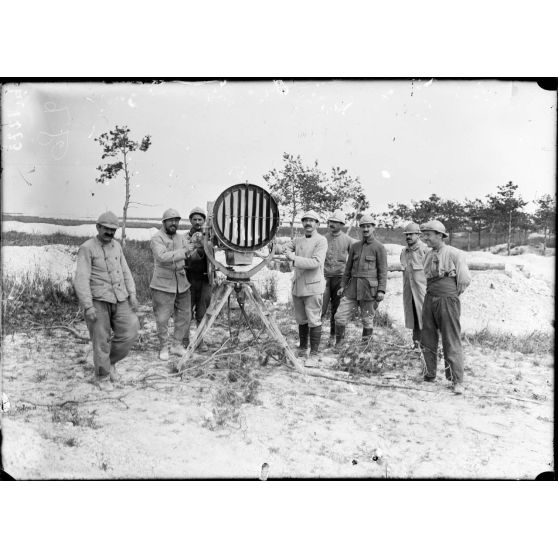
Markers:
338,246
170,286
447,276
414,286
308,280
365,275
103,282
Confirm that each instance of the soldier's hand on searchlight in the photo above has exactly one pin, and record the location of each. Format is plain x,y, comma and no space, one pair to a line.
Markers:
290,255
90,314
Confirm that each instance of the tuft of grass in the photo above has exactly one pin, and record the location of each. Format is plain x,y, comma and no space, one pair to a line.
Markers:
71,413
536,342
269,288
140,261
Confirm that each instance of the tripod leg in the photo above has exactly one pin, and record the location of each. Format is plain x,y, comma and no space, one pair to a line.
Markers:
272,327
241,306
217,303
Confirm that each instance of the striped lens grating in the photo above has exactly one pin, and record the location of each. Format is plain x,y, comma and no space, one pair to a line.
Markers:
245,217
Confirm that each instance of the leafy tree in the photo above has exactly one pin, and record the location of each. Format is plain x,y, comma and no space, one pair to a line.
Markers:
117,143
476,213
346,194
426,210
399,213
298,187
506,204
545,216
452,214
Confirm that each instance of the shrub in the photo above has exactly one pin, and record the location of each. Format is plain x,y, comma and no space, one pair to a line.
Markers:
536,342
13,238
140,260
35,299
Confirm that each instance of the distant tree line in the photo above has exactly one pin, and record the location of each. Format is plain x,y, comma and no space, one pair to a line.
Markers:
497,215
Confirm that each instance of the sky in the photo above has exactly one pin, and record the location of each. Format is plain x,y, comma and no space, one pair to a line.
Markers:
404,139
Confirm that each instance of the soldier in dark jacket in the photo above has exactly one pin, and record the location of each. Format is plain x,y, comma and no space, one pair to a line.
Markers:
196,265
364,281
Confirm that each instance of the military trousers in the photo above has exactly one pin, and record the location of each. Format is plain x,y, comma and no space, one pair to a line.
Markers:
177,305
333,284
124,324
200,290
347,307
308,310
442,313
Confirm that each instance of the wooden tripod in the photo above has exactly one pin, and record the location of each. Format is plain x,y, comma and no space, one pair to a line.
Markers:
244,289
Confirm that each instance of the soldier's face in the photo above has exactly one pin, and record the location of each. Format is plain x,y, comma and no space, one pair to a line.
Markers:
432,239
197,222
171,226
105,234
411,238
334,226
366,230
309,225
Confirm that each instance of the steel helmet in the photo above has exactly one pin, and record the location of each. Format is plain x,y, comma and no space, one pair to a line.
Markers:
337,216
171,214
109,220
435,226
311,215
411,228
367,220
197,211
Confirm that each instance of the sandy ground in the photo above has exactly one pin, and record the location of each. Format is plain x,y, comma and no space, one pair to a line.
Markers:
301,426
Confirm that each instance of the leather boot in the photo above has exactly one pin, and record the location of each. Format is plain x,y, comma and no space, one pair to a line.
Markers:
315,338
303,331
331,341
339,336
366,335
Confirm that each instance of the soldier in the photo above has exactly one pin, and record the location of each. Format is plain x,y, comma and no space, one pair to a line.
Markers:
196,265
107,293
308,255
169,285
364,281
414,281
447,276
338,244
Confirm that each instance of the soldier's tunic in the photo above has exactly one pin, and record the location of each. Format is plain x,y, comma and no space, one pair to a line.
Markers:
308,278
365,275
414,286
170,286
447,276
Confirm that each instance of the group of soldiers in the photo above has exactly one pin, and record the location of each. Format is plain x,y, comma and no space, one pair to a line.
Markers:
331,270
334,269
107,293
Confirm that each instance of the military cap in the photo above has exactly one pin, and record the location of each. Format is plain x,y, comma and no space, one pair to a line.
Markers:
171,214
108,220
435,226
338,217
